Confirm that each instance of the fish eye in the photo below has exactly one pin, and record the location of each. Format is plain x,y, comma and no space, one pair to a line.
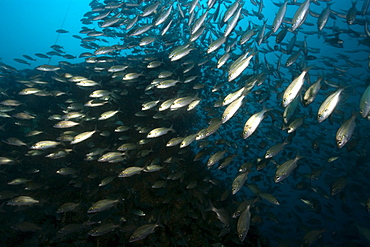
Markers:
361,111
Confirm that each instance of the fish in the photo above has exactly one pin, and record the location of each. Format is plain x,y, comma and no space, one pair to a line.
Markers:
328,106
221,213
140,30
6,161
106,181
365,103
364,8
102,205
103,229
193,104
244,223
18,181
226,162
181,102
246,37
47,68
95,103
99,93
345,131
168,86
312,92
87,83
261,34
232,109
215,158
293,58
279,17
285,169
142,232
167,83
82,137
324,17
188,140
338,185
107,157
294,87
29,57
14,141
233,96
295,124
159,132
311,237
253,122
19,60
232,23
239,66
268,197
199,22
108,114
149,105
130,171
22,201
67,207
351,14
290,110
65,124
29,91
274,150
300,15
178,54
150,8
42,145
62,31
230,11
174,141
10,102
163,17
216,44
238,182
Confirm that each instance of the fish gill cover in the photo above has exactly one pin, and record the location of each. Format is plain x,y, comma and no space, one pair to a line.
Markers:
190,123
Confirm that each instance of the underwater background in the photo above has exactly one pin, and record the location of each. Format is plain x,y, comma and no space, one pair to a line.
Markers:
184,123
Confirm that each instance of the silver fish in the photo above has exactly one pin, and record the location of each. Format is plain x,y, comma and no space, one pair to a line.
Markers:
365,103
328,106
293,89
345,131
238,182
300,15
243,224
279,17
253,122
102,205
142,232
285,169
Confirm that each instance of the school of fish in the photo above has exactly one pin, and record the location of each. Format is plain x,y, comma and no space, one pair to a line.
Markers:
193,123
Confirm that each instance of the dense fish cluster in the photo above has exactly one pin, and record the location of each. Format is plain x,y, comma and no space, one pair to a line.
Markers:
193,123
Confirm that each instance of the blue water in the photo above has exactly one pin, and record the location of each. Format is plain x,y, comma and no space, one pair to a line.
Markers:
31,28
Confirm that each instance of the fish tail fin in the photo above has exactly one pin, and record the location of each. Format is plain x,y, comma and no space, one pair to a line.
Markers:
299,156
265,108
210,206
